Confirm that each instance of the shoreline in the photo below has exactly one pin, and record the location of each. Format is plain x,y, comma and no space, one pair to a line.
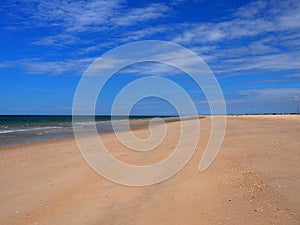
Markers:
142,123
134,125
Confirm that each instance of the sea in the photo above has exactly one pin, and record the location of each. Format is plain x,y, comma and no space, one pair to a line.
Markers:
20,129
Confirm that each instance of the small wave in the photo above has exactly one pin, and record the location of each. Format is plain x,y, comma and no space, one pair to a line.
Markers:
89,124
85,123
28,129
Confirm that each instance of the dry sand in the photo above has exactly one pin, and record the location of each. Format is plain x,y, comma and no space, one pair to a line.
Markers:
254,180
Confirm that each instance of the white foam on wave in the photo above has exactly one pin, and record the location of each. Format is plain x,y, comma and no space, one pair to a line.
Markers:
28,129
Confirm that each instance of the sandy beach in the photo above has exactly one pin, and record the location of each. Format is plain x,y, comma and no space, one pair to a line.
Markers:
254,180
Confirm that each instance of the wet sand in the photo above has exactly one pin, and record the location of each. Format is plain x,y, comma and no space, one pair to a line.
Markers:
254,180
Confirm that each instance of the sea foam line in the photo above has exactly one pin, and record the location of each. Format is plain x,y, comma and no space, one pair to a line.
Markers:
29,129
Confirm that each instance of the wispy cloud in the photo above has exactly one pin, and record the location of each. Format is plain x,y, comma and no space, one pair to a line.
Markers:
260,36
60,40
136,15
81,16
272,93
82,23
151,68
70,15
39,66
272,62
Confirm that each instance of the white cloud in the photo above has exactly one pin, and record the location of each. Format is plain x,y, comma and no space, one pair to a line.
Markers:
5,64
69,22
38,66
272,93
253,9
136,15
60,40
263,35
70,15
80,16
273,62
144,32
154,69
201,33
293,75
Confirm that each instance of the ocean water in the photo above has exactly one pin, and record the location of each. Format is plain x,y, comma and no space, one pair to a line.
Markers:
16,129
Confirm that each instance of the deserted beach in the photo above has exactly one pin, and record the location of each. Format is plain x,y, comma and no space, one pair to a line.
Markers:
130,112
254,180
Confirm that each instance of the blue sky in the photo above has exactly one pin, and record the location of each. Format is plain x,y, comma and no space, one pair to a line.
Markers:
253,48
